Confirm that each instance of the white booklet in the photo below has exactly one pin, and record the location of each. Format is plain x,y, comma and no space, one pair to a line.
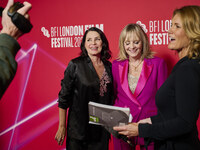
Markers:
107,115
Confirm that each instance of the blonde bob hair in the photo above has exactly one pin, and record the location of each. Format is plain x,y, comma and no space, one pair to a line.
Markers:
126,33
190,16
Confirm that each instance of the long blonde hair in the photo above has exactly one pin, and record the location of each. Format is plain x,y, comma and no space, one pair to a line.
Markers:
127,32
190,16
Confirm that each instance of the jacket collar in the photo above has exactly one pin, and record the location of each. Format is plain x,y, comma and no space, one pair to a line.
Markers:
106,66
145,73
89,62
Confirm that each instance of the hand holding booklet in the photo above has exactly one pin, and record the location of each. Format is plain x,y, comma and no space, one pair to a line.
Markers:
109,116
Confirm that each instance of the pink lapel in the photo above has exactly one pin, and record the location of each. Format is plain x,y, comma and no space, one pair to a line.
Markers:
123,75
146,71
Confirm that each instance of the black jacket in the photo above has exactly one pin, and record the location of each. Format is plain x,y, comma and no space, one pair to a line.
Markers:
178,102
79,86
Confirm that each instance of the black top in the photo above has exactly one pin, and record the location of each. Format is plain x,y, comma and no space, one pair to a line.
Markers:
178,102
80,85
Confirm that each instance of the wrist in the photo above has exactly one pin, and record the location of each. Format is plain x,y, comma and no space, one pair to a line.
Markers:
62,125
11,33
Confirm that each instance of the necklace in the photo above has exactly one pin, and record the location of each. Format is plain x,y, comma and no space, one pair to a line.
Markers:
136,67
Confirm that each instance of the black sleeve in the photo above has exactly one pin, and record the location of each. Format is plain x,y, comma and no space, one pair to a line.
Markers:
67,85
114,73
187,104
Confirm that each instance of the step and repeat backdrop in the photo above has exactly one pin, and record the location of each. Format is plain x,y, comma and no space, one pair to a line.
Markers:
28,109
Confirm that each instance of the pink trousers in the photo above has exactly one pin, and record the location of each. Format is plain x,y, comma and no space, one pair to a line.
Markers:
121,145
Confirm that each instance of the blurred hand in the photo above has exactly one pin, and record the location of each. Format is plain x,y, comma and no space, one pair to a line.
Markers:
8,27
60,135
129,130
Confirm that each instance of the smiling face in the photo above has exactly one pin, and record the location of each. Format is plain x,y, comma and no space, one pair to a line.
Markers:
178,39
93,43
133,46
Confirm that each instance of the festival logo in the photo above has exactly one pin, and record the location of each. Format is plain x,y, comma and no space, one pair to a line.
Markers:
157,31
67,36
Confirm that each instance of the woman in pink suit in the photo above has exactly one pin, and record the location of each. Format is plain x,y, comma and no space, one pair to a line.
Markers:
137,75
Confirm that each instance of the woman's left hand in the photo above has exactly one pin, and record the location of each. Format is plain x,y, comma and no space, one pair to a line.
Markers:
129,130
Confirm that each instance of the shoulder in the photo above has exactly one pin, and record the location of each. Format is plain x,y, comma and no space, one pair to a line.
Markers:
192,64
119,62
155,61
73,63
78,59
188,66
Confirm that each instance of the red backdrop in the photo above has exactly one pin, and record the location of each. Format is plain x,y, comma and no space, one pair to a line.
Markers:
28,110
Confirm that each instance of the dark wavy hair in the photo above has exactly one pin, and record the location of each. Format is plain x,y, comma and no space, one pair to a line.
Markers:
105,52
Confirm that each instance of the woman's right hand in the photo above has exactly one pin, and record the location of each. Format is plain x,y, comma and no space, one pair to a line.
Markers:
60,135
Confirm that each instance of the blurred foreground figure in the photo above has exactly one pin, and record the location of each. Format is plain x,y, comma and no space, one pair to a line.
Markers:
9,45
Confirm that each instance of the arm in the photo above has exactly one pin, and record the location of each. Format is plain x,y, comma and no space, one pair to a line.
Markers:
9,47
60,135
187,106
67,86
65,98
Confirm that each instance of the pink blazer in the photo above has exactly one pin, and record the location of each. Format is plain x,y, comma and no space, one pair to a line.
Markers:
142,102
